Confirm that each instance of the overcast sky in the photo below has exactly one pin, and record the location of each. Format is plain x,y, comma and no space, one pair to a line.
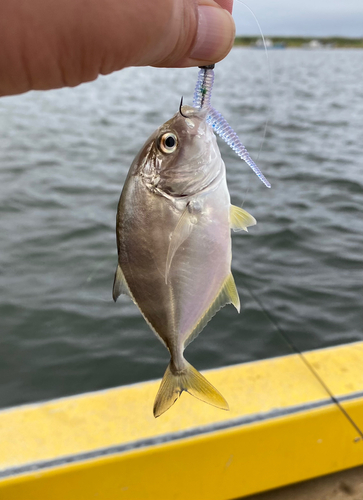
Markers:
301,17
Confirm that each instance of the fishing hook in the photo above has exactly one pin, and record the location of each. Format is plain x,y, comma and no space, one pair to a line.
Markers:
180,107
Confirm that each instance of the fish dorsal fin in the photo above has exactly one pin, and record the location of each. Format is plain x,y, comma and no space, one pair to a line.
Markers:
177,238
227,295
119,284
240,219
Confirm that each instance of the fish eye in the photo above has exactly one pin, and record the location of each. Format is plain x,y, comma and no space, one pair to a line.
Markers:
168,142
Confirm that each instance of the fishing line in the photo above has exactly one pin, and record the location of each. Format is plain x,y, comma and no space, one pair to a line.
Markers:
269,74
269,87
297,351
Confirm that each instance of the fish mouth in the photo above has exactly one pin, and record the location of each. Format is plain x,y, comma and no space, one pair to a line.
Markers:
190,111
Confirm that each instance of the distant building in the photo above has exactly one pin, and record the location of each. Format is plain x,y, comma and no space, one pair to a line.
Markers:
314,44
260,45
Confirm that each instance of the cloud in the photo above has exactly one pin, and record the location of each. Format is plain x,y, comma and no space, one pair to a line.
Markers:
303,18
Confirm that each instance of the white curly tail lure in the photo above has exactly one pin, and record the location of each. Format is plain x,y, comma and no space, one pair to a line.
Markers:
202,100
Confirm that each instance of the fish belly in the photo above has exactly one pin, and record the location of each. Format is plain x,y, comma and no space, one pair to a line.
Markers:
199,267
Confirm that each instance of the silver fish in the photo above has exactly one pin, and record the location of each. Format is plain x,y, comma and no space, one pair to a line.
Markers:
174,244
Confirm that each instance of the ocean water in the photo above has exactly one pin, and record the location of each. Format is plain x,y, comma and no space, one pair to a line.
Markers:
64,156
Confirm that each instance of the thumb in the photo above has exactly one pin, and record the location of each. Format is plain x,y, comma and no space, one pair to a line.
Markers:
180,33
49,44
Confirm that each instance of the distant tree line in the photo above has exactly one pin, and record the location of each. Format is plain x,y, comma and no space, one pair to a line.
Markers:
295,41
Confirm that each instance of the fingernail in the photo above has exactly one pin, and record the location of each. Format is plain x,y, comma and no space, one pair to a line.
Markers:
215,34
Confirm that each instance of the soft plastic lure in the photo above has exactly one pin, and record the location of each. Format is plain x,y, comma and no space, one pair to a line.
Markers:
202,100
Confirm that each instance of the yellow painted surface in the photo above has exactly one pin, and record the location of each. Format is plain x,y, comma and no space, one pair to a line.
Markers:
219,465
224,465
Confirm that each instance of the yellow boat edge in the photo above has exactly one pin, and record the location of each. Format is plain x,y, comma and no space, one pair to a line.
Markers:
282,428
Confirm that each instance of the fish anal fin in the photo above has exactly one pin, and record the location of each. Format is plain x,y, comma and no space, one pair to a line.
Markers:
240,219
120,285
228,294
178,236
188,380
231,292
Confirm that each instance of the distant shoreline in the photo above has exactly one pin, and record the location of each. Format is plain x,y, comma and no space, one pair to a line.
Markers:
281,42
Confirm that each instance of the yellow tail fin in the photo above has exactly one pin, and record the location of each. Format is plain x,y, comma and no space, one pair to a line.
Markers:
189,380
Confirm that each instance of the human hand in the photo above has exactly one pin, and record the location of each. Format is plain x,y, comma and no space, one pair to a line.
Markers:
48,44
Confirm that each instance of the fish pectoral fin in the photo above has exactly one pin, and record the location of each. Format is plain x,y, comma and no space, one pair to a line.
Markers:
119,284
240,219
178,236
189,380
228,294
